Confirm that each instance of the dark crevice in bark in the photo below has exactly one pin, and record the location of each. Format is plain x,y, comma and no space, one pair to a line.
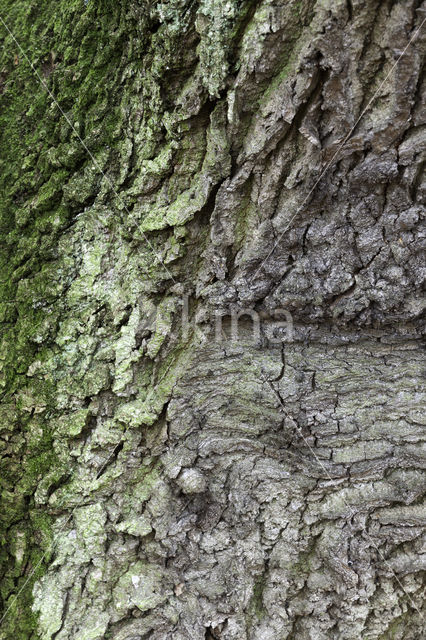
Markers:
111,460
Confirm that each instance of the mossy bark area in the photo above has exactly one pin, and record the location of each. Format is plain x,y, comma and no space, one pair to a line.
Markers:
158,483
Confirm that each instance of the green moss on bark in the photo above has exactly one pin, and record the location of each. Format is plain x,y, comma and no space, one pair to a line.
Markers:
96,97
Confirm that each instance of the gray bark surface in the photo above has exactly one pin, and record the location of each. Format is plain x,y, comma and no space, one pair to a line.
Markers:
163,480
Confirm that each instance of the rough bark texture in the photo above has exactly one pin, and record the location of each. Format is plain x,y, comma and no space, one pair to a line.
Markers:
157,482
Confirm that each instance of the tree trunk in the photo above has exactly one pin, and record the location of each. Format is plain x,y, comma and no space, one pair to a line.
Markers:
211,225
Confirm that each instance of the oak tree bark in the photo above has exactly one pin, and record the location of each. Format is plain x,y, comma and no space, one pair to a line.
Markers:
165,165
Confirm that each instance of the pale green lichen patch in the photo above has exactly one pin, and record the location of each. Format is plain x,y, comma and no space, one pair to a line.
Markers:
163,323
73,424
126,352
215,21
94,628
140,587
90,526
139,526
49,607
